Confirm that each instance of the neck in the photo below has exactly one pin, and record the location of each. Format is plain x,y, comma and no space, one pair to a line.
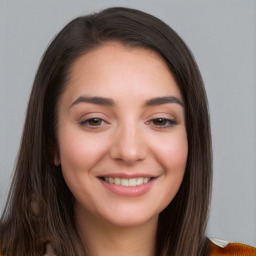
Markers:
105,239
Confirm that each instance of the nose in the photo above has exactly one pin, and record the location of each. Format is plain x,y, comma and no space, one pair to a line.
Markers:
129,144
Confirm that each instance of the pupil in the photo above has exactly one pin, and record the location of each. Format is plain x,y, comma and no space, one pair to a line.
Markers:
95,121
160,121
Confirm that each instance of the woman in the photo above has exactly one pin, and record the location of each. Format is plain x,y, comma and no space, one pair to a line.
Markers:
115,157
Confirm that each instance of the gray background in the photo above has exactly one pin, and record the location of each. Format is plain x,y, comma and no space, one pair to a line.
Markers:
221,35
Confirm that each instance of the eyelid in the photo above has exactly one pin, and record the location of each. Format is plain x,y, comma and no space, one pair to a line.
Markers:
168,122
88,117
86,122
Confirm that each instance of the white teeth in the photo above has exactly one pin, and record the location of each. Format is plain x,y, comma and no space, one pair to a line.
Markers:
139,181
111,180
127,182
132,182
145,180
117,181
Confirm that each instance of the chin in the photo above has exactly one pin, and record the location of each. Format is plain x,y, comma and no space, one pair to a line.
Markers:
132,222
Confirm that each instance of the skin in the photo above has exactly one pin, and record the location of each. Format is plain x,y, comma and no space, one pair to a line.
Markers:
128,137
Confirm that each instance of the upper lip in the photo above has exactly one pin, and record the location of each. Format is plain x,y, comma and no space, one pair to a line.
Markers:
127,175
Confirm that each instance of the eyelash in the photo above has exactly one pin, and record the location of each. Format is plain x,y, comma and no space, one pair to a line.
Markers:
94,119
167,123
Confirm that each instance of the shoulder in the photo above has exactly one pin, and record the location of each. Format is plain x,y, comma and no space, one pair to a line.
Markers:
220,247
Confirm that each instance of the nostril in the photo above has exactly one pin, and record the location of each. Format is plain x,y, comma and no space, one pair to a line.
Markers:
128,146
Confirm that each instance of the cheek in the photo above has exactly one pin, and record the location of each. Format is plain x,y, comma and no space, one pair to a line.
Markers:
79,150
79,154
172,153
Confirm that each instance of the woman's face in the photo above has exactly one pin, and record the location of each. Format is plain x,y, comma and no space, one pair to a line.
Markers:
121,135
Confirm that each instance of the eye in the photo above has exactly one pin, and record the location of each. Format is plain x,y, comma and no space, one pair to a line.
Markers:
93,122
162,122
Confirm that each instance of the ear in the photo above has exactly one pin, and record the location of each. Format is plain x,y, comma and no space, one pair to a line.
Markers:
56,157
55,153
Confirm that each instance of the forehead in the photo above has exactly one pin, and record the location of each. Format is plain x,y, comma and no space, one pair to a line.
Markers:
117,69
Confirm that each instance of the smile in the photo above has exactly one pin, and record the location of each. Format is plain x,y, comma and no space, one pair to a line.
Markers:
132,182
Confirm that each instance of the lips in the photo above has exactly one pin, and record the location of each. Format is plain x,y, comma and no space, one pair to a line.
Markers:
128,185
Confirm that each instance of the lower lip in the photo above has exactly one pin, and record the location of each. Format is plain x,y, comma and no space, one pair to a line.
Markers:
128,191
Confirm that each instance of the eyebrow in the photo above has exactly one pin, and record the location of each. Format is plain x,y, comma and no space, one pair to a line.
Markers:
94,100
163,100
111,103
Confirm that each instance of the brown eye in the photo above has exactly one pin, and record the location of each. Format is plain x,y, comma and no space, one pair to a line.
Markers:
160,122
93,122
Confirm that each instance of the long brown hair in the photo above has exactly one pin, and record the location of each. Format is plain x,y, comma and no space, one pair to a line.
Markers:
39,208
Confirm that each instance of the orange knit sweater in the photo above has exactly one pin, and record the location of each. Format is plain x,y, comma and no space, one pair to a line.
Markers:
230,249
